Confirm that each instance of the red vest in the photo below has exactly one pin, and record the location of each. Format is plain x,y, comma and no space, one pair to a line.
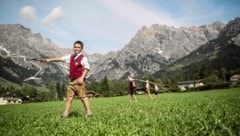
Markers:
76,68
132,85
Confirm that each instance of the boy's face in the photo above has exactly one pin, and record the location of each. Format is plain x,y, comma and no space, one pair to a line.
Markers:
77,48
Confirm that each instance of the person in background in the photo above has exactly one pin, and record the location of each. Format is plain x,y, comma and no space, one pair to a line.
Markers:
148,93
79,68
132,89
156,89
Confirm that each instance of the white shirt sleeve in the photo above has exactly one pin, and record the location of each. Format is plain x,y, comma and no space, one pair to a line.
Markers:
66,59
85,63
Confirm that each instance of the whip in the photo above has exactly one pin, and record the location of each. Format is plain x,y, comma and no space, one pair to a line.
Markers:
35,59
131,79
26,59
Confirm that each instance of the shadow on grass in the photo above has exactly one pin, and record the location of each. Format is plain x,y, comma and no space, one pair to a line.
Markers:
75,114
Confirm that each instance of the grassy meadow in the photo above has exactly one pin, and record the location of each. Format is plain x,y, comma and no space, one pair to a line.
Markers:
214,112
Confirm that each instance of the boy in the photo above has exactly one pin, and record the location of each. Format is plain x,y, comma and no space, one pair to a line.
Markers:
79,68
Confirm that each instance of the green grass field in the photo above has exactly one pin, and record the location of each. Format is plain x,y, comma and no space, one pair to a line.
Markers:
195,113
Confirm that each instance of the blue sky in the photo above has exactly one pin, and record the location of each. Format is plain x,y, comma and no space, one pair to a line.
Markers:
108,25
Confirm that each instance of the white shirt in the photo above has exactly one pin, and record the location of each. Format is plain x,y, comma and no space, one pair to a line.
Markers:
147,85
84,61
156,87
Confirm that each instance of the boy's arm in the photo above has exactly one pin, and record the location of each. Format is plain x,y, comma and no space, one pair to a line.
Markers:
84,74
53,60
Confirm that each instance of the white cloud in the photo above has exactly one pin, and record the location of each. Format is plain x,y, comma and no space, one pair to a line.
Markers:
27,13
54,16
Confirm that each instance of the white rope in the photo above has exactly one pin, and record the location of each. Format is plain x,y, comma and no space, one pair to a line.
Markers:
25,60
150,82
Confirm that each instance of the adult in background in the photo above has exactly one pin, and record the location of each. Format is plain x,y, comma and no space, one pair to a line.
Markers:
79,68
132,89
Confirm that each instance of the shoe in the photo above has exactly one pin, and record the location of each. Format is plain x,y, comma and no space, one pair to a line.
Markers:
89,114
65,115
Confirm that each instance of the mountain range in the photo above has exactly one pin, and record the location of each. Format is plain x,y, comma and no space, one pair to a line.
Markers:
152,49
220,56
160,50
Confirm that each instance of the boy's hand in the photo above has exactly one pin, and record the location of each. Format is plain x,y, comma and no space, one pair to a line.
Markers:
80,81
47,60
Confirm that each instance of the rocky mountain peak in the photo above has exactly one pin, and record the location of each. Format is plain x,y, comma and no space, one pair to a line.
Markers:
232,30
153,48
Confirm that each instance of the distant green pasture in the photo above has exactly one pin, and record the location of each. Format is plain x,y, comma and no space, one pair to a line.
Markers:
5,83
195,113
